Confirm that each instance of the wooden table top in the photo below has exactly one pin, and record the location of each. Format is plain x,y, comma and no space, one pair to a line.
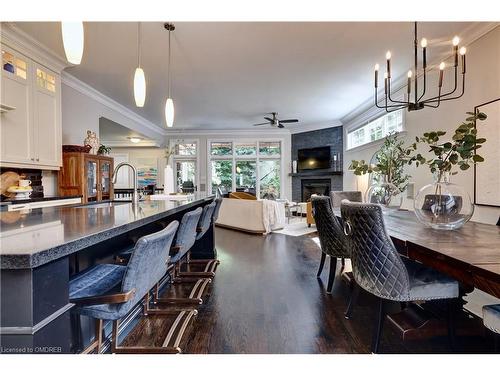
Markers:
471,254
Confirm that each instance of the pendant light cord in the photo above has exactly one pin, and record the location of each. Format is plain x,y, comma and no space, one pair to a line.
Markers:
139,44
168,73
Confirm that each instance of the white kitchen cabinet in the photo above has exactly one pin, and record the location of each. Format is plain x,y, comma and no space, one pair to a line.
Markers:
31,132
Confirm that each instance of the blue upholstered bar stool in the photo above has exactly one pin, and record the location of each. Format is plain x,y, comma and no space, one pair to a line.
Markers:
109,292
331,236
491,320
207,219
379,269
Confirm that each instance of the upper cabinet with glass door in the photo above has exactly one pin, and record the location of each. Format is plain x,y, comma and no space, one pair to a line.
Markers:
31,113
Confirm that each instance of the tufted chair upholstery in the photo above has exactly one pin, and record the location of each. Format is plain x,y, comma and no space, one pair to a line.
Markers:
491,317
336,197
147,265
331,233
186,234
205,219
378,267
331,236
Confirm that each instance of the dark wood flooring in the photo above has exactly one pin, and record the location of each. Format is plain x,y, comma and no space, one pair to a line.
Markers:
266,298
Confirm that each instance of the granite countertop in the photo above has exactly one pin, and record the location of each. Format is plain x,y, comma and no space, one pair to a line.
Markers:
45,234
39,199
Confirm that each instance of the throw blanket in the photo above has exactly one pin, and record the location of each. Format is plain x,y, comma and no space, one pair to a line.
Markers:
273,214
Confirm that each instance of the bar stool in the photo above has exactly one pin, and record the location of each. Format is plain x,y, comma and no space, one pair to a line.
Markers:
184,240
491,320
380,270
110,291
207,219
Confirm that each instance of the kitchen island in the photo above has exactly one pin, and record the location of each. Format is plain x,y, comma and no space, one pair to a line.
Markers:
42,248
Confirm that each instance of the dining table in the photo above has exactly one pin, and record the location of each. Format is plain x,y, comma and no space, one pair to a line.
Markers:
470,254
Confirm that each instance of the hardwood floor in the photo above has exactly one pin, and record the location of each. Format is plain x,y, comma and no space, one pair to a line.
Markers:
266,298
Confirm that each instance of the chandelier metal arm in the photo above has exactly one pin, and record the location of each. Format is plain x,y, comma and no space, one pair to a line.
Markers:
448,93
389,92
387,105
452,98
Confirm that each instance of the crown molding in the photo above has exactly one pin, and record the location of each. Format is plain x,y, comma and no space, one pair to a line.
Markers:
470,35
17,39
225,132
128,144
87,90
315,126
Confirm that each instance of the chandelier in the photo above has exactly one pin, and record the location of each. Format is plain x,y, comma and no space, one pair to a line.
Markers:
419,102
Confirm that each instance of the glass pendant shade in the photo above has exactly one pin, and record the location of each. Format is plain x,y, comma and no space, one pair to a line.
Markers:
73,41
169,112
139,87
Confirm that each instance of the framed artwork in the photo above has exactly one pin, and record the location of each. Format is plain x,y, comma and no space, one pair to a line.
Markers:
147,170
487,173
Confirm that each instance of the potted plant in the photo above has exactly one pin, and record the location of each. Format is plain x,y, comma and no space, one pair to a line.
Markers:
386,169
104,150
443,205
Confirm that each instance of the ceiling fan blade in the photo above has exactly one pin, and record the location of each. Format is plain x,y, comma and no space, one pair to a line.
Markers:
280,125
264,123
289,121
268,119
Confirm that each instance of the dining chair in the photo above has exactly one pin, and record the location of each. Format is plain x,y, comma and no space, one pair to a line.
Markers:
110,291
491,320
380,270
337,197
331,236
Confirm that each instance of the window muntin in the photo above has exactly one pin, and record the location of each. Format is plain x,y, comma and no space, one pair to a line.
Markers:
376,129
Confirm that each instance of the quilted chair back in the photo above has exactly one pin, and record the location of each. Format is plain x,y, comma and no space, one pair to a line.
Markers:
147,265
376,264
206,219
215,215
331,233
338,196
186,235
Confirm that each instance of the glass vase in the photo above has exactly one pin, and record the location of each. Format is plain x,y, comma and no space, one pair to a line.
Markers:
384,193
443,205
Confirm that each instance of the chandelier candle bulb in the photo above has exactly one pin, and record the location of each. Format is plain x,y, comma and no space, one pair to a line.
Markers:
409,82
441,69
455,41
388,57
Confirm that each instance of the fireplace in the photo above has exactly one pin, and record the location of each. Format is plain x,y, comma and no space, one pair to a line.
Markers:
315,186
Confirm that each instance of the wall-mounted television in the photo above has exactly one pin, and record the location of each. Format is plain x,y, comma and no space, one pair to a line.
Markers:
313,158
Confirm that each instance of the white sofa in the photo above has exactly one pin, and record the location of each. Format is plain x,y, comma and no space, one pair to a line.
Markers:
253,216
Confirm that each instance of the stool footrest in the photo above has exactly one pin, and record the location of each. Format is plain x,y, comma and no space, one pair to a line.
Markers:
209,270
194,296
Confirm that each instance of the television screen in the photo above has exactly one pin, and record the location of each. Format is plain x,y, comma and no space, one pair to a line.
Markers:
314,158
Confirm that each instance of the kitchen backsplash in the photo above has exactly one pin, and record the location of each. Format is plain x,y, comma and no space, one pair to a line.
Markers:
35,175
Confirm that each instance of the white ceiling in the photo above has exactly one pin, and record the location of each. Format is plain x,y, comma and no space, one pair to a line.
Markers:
227,75
114,132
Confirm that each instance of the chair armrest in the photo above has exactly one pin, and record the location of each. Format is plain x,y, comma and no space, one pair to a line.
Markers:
104,299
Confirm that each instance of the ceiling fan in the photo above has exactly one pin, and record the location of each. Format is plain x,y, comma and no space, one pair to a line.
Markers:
275,121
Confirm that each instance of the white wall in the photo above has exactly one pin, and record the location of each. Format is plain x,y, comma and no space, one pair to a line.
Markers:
482,85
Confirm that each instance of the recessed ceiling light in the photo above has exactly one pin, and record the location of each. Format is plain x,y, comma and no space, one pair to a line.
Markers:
135,139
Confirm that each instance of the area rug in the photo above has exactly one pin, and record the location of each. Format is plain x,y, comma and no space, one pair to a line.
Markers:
296,228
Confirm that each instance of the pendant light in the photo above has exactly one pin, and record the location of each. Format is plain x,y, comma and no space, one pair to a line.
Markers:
169,105
73,40
139,78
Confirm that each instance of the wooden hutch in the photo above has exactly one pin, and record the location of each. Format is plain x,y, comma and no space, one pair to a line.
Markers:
87,175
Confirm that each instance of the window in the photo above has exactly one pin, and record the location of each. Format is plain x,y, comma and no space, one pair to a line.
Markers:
185,149
14,65
250,166
376,129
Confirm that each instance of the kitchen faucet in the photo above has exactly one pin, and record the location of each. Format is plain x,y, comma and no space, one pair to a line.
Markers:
135,196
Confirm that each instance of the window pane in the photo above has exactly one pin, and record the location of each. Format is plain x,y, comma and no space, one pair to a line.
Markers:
245,148
222,174
375,130
245,176
186,173
221,148
269,148
185,149
270,179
